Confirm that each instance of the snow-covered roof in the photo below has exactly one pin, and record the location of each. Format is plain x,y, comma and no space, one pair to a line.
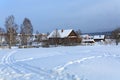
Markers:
88,40
99,36
86,36
60,33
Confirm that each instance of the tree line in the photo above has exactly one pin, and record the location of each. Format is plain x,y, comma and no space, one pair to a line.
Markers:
11,31
26,32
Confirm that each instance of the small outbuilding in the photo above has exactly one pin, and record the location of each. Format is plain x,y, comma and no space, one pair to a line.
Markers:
98,38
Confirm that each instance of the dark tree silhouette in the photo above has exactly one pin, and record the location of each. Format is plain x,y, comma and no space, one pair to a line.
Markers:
116,35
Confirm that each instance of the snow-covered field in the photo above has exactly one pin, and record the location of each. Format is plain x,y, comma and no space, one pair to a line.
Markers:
98,62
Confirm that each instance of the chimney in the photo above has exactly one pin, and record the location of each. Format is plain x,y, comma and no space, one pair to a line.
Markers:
62,30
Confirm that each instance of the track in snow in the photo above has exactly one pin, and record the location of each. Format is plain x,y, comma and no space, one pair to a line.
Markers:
63,67
11,69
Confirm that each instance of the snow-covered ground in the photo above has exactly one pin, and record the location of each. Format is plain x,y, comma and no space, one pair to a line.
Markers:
97,62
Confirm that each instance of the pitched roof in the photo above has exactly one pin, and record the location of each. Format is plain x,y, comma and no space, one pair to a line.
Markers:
60,33
88,40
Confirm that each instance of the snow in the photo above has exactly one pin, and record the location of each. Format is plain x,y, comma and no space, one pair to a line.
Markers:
97,62
99,36
61,34
88,40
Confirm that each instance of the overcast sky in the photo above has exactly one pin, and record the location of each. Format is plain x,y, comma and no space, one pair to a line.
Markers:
47,15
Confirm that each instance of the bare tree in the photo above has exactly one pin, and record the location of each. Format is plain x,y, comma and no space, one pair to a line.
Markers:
23,38
26,32
56,37
38,37
78,32
116,35
2,30
11,29
48,33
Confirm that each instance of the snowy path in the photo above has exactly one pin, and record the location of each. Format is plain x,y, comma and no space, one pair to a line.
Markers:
12,70
7,58
67,63
105,55
62,68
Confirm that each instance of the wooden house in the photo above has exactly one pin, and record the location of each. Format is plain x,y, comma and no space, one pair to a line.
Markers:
63,37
